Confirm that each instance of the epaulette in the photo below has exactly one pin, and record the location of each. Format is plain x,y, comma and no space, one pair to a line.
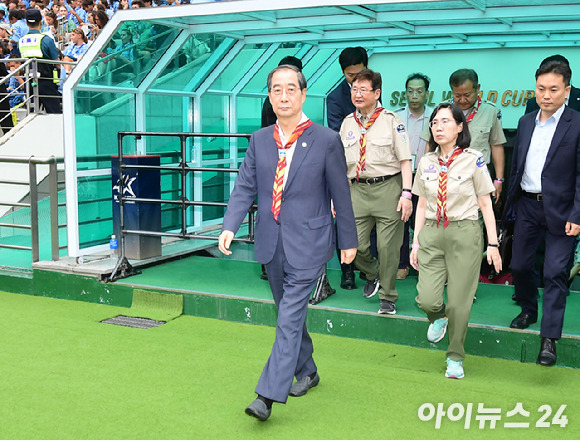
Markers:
472,151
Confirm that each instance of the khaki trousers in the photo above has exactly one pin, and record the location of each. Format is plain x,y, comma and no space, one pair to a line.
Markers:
377,205
451,255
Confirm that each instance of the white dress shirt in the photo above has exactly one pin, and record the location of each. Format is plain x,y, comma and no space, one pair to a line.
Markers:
539,146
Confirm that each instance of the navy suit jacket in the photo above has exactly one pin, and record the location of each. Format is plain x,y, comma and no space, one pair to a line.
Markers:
338,106
573,101
560,175
317,174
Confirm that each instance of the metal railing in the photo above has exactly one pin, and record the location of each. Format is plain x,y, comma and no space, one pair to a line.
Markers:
123,268
32,184
29,72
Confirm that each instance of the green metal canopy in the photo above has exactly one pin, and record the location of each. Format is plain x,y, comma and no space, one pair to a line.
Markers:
202,68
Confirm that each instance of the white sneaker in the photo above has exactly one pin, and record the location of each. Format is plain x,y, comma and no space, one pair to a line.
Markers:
454,369
437,330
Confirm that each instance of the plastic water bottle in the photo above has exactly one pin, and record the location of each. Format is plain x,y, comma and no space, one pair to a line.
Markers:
113,246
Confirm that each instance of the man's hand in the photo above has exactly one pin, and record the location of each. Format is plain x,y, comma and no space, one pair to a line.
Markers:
406,207
493,257
572,229
347,255
497,192
224,241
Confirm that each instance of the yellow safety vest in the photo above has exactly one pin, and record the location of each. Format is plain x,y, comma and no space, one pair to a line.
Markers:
29,46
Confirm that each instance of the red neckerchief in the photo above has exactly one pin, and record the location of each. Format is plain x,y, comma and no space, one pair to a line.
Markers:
472,114
442,190
360,166
281,167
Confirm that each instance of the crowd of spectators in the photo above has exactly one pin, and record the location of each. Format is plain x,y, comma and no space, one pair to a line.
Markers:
73,25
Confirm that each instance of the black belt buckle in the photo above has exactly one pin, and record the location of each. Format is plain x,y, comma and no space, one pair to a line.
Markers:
371,180
534,196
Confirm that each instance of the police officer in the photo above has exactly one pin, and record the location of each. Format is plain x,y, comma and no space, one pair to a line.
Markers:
379,168
37,45
452,182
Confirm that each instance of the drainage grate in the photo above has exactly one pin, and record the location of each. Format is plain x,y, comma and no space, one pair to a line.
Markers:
130,321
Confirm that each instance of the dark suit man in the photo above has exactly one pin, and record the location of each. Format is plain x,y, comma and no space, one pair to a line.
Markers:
294,230
545,197
573,98
339,105
338,102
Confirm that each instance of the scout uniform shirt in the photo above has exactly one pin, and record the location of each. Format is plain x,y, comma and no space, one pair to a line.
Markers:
485,129
387,145
467,179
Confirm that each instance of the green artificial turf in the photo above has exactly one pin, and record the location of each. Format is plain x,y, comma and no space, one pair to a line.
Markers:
64,375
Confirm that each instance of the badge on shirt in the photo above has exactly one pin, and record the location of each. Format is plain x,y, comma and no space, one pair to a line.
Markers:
401,128
499,115
430,169
350,136
480,162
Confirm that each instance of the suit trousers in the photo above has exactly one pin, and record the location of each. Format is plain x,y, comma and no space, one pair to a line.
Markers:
377,205
451,255
291,354
530,228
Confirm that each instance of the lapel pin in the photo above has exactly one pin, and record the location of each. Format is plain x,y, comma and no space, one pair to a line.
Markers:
304,144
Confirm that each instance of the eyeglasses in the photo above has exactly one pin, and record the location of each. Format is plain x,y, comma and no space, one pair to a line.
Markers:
290,91
356,91
442,122
468,95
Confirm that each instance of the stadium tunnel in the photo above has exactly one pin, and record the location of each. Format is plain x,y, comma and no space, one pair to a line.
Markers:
202,68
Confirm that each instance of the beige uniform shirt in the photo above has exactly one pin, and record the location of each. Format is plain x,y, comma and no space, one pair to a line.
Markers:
485,129
467,179
387,145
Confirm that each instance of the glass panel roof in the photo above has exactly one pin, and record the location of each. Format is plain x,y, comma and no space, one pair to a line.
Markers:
202,67
141,38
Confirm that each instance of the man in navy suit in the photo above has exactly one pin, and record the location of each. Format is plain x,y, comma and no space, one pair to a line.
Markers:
545,198
294,168
573,100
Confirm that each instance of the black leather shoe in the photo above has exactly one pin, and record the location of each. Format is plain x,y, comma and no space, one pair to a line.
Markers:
547,356
523,320
259,410
347,280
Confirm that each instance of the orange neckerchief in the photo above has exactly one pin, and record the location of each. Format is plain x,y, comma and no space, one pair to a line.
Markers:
281,168
442,191
360,166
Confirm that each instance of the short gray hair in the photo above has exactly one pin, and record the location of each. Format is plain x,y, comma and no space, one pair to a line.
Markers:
301,77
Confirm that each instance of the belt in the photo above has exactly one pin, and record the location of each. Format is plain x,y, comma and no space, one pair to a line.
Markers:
534,196
372,180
